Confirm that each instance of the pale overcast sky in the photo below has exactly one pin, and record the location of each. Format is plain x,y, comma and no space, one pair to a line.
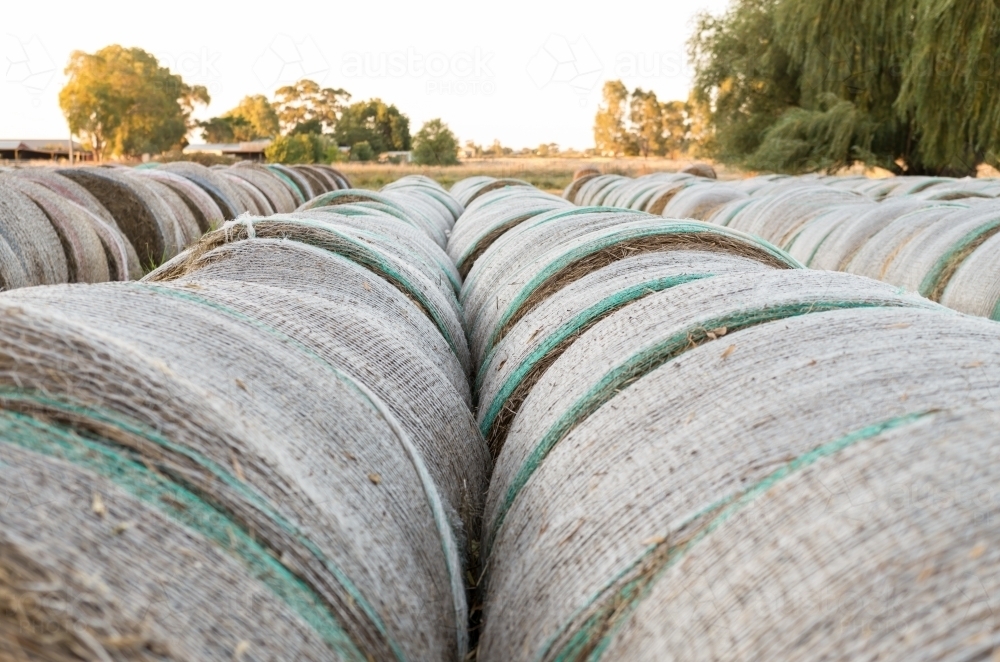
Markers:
523,72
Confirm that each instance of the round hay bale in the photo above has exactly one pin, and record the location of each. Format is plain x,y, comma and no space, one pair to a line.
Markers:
615,457
573,188
138,211
416,245
699,201
547,262
846,238
875,256
297,184
86,261
380,353
338,177
275,191
418,217
664,192
975,286
318,184
68,189
430,188
252,199
222,193
700,169
298,267
515,365
478,188
32,252
927,262
481,226
207,212
329,182
464,187
298,458
434,296
787,212
180,221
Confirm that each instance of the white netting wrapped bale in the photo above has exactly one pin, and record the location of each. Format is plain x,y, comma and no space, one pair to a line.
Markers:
278,196
517,362
928,261
468,190
252,199
700,200
408,242
301,473
975,286
429,288
661,416
297,182
318,272
224,195
207,212
785,213
493,214
68,189
845,239
417,217
30,250
543,255
142,215
876,255
86,261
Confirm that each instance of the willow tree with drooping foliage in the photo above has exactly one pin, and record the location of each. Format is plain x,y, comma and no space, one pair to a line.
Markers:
808,85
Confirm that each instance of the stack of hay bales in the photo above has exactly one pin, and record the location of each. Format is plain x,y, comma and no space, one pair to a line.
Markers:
930,235
95,224
704,450
270,456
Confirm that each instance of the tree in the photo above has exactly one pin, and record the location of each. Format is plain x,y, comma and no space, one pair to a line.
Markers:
306,101
646,116
121,102
435,144
298,148
218,130
675,119
383,127
609,125
254,118
904,84
362,151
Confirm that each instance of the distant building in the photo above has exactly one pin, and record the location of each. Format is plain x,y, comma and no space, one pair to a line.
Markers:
250,151
42,150
396,157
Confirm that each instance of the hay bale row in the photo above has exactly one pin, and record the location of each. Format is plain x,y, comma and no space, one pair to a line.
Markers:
94,224
271,456
931,235
704,450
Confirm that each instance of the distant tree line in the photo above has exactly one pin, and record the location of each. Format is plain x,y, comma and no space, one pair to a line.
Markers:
121,102
810,85
639,124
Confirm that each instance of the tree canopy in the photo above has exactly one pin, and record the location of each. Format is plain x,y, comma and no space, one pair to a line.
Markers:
382,126
808,85
639,123
121,102
307,102
435,144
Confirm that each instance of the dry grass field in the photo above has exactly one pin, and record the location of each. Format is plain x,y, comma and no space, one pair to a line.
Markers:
549,174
